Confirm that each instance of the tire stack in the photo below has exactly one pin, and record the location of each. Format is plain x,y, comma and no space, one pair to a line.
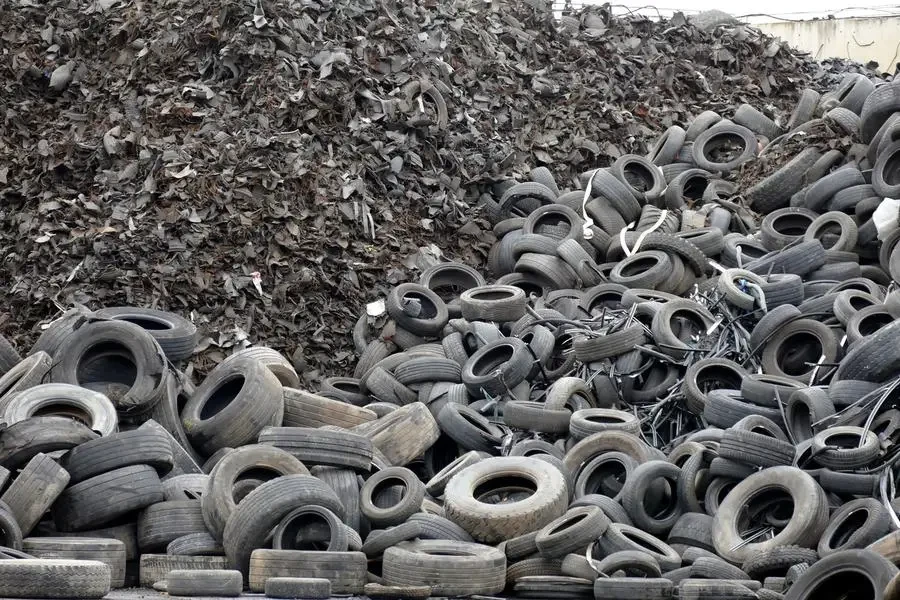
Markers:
675,385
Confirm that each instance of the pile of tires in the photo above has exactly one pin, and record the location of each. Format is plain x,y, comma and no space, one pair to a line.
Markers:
669,387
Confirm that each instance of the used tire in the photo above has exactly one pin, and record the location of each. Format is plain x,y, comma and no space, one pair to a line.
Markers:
450,568
492,523
804,528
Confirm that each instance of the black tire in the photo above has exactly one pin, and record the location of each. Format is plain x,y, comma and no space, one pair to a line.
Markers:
10,532
845,448
218,501
156,567
164,522
108,551
755,449
492,523
875,358
845,120
632,588
800,259
804,110
33,578
311,528
232,406
305,588
175,335
822,191
781,227
709,374
776,190
9,356
805,408
715,140
58,330
273,360
262,509
20,442
755,121
658,519
497,366
228,584
709,240
641,176
667,146
190,486
345,570
772,322
620,537
733,282
93,409
687,188
36,488
134,389
775,562
430,314
693,530
785,356
856,524
103,498
701,123
195,544
572,532
596,348
804,528
321,447
410,502
843,573
125,449
450,568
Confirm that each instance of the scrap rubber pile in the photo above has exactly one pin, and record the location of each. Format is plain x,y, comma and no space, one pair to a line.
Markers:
676,385
163,157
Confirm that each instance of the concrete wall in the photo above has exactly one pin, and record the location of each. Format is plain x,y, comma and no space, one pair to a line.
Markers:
861,39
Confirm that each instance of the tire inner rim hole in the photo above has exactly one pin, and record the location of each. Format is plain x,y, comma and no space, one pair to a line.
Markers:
844,585
560,355
685,324
640,265
250,479
552,221
798,350
571,522
772,507
306,531
428,309
638,176
492,359
506,489
640,541
852,523
724,148
874,322
107,362
759,429
718,377
492,295
146,323
751,251
694,187
607,478
660,501
605,419
64,408
389,492
860,302
842,441
792,224
222,396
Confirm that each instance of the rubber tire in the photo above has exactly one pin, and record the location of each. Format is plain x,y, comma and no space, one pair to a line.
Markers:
805,527
33,578
494,523
38,486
